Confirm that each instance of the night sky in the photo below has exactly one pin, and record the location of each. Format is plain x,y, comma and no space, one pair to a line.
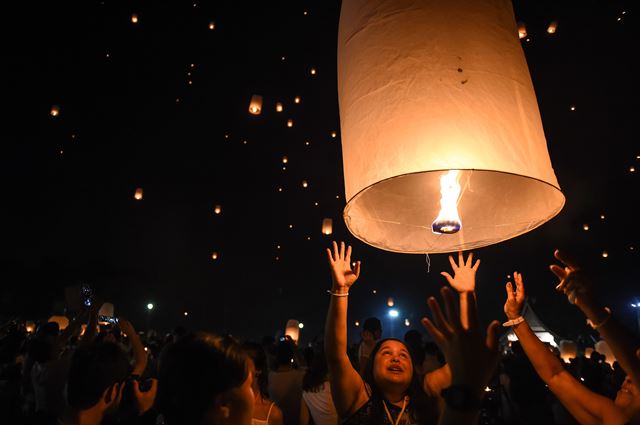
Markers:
162,104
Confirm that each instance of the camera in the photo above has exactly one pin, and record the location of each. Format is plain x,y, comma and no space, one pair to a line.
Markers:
108,319
86,292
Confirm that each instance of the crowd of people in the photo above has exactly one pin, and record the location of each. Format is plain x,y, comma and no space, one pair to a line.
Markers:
90,373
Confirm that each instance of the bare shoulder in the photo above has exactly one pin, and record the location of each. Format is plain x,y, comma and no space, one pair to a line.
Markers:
276,417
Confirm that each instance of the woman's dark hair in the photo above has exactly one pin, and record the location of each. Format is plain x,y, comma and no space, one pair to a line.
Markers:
193,371
318,373
422,407
259,357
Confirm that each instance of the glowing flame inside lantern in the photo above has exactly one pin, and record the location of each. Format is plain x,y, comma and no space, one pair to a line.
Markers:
448,220
138,194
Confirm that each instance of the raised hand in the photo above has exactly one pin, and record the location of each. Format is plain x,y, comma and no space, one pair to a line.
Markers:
574,283
464,273
144,399
340,263
515,298
471,354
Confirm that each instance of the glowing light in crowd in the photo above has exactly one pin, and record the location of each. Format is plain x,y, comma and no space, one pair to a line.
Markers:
255,105
301,325
393,313
138,194
448,220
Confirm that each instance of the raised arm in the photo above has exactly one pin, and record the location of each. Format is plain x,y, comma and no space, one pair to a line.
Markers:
347,387
586,406
139,355
472,355
580,290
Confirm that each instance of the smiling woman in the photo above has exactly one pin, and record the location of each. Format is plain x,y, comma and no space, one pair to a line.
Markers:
389,390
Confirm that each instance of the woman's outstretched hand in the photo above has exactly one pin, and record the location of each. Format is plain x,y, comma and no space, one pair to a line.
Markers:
515,298
574,283
340,262
464,273
471,353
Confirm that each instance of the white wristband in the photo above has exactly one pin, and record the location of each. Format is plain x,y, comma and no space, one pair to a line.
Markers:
513,322
338,294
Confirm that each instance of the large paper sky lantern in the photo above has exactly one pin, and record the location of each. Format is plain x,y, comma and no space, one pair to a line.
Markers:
442,140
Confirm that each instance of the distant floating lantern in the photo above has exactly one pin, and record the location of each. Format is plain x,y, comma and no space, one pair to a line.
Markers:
296,99
212,25
568,350
573,108
138,194
632,169
327,226
605,254
289,123
390,302
214,256
279,107
305,184
55,111
333,134
293,330
602,217
357,323
255,106
30,326
313,71
106,309
585,227
553,26
285,159
217,209
465,114
62,321
407,322
522,30
134,18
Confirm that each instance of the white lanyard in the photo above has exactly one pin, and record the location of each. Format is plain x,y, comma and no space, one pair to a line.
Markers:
404,405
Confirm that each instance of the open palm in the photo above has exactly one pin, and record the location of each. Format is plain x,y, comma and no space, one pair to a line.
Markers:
515,299
464,273
340,263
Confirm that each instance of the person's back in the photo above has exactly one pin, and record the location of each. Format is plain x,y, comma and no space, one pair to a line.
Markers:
316,392
371,333
285,384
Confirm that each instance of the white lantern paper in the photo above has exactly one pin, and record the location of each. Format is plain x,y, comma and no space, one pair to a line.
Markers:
603,348
419,97
62,321
106,310
327,226
255,106
293,330
568,349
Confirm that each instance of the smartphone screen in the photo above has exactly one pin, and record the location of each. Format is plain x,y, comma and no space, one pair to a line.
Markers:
87,295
